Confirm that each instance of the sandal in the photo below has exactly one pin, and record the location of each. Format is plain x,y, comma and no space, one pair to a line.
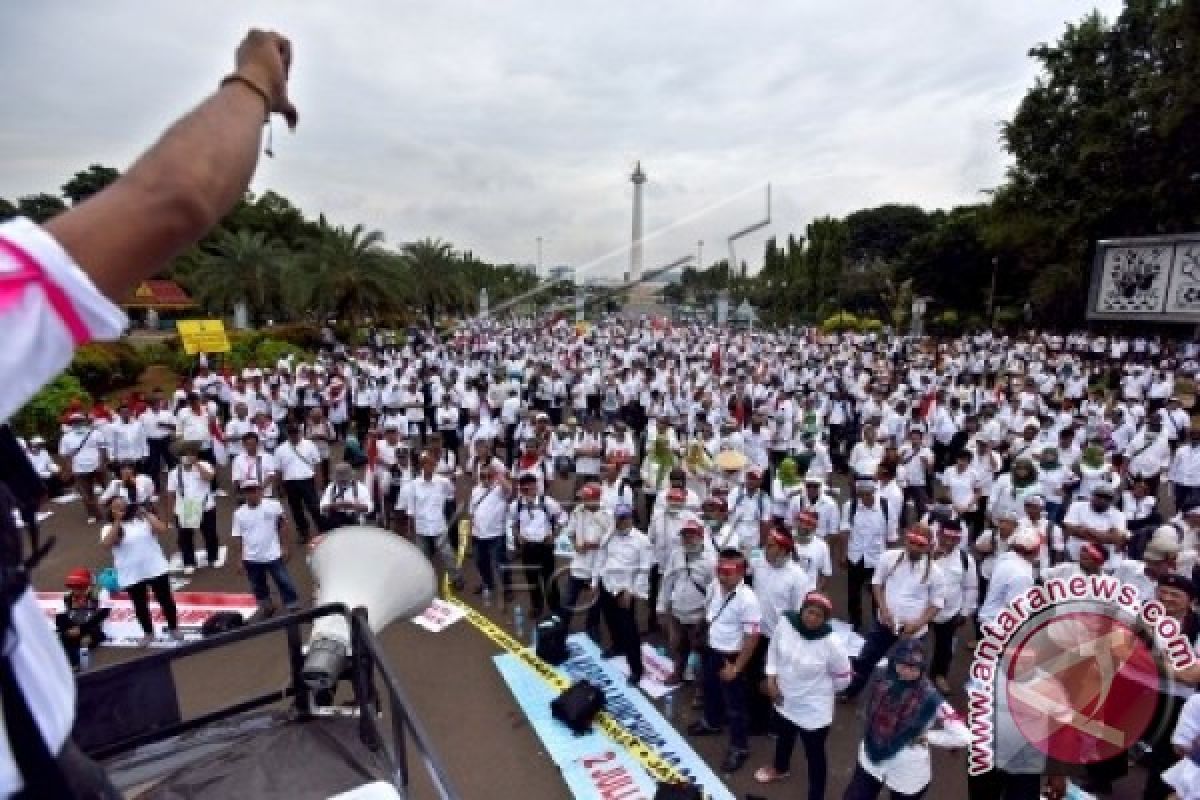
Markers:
769,775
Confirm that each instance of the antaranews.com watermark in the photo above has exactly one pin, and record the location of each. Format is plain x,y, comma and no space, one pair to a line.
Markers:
1072,671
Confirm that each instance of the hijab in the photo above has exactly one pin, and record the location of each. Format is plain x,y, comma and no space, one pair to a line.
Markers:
789,475
812,634
900,711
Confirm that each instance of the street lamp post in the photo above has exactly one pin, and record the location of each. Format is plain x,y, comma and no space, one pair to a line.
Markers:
539,256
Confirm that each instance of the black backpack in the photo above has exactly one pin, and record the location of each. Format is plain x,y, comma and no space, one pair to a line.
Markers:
552,641
577,706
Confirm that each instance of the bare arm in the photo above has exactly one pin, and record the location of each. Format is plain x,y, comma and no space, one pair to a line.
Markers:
186,182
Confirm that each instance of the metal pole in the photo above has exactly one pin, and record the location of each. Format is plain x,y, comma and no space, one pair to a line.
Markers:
700,255
539,256
992,294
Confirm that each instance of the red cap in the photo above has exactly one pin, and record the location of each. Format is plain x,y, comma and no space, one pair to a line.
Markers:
691,528
590,493
730,567
1094,550
79,578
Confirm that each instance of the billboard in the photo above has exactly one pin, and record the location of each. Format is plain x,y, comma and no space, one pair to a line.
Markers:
1151,278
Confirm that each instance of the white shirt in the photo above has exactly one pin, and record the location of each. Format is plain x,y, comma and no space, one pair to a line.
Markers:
779,589
1011,576
809,672
42,463
82,446
960,585
623,563
126,441
355,491
296,462
143,488
193,426
1082,513
685,581
1185,467
814,558
588,530
193,485
38,342
868,528
427,504
138,556
258,528
489,509
260,467
909,588
533,519
731,619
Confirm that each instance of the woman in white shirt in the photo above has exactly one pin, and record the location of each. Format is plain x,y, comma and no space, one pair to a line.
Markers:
806,667
138,490
141,565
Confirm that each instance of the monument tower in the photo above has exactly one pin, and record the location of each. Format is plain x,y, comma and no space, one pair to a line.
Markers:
635,251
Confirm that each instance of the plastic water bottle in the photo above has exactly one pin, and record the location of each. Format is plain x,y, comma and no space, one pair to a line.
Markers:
668,707
519,621
85,658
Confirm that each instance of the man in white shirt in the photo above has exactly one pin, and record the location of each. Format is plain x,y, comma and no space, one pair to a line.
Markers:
44,465
908,591
734,619
82,451
487,509
780,584
1012,574
253,464
588,527
191,504
866,526
1096,521
1184,473
125,439
260,549
960,584
686,575
621,573
346,501
297,459
533,521
425,504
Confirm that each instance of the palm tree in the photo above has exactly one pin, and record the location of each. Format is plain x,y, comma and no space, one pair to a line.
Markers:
240,267
437,276
345,273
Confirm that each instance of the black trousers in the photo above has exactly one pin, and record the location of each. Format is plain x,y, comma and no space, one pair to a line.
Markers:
537,558
362,422
138,595
814,753
208,530
943,646
302,497
623,629
757,702
159,457
997,784
858,577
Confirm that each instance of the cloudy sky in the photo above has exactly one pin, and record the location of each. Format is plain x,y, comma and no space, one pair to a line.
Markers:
490,123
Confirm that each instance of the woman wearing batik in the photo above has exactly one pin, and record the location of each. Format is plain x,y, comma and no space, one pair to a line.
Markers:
905,716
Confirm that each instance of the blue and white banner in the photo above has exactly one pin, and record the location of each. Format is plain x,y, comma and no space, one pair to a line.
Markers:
592,765
636,714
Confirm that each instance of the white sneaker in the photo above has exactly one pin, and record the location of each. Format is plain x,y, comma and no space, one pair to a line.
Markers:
221,493
91,521
487,598
189,570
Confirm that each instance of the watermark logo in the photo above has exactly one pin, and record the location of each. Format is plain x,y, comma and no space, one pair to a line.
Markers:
1069,672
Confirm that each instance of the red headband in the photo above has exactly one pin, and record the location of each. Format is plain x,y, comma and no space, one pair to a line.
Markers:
729,567
781,538
818,599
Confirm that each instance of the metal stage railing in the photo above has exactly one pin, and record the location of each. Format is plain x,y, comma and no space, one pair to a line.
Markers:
126,706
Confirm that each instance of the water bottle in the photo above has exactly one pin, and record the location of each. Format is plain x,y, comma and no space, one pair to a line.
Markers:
669,706
85,658
519,621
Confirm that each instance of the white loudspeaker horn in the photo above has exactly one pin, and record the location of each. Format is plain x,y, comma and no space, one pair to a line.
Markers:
369,567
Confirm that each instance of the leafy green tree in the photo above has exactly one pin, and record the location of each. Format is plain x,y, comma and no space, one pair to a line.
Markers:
345,273
435,275
87,182
241,267
40,207
881,234
7,210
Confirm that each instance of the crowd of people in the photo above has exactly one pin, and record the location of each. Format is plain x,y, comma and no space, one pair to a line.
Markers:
702,485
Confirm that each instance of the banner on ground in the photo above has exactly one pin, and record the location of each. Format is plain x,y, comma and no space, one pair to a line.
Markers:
636,714
591,766
123,630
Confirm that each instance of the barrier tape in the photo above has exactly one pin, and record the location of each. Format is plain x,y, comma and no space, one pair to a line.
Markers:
655,765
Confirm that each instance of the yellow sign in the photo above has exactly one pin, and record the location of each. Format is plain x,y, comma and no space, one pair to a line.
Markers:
203,336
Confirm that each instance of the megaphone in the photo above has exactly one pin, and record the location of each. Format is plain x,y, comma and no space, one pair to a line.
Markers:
368,567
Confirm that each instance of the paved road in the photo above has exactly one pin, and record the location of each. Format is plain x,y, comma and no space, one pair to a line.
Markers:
488,746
